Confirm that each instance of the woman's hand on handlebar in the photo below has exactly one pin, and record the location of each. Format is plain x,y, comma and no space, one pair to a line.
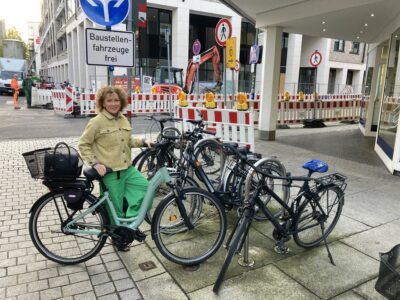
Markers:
101,169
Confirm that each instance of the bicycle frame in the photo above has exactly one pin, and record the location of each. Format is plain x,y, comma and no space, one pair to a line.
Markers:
160,177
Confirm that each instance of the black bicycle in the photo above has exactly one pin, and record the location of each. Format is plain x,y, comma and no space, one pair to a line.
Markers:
310,217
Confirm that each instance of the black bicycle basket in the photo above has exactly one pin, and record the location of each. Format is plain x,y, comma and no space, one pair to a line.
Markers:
59,163
388,283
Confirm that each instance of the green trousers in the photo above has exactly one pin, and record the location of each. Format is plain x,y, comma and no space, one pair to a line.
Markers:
129,184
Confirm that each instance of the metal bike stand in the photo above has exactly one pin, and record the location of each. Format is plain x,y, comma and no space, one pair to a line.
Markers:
245,260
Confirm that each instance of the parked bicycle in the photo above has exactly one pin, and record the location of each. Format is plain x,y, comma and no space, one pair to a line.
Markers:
309,218
70,225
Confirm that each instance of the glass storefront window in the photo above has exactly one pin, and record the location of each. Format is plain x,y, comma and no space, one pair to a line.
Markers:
391,99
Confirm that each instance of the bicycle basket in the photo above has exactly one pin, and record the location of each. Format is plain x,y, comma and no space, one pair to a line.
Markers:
35,162
388,283
59,163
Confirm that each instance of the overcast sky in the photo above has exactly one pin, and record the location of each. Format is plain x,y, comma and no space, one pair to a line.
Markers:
18,12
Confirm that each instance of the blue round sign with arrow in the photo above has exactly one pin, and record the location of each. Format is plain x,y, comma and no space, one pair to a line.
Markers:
106,12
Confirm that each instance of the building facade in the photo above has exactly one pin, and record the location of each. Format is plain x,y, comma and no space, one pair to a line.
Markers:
63,50
13,48
34,47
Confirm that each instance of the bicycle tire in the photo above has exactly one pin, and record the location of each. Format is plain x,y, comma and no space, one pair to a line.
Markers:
233,248
308,213
176,241
208,153
139,157
43,221
278,186
164,190
150,163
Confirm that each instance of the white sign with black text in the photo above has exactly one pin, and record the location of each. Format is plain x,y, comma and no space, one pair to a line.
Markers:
109,48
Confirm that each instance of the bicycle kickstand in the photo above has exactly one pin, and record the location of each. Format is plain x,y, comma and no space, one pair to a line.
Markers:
326,244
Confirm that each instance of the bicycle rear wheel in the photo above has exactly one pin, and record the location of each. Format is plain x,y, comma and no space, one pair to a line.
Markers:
234,247
307,226
175,240
48,218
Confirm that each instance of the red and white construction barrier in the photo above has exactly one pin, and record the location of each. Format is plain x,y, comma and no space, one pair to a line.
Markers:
290,112
152,103
230,125
88,103
63,100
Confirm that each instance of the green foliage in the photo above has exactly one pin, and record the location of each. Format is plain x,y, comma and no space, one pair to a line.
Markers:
13,33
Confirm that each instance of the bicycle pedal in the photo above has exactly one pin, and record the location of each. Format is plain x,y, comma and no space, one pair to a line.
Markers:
281,249
139,235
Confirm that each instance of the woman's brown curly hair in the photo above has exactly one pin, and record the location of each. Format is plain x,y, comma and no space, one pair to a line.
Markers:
105,90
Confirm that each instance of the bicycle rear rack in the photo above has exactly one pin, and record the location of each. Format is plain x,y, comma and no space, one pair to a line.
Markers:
336,179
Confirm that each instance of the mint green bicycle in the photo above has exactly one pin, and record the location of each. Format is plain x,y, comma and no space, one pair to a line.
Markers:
70,225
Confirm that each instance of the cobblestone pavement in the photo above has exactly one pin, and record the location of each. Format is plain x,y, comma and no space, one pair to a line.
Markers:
26,274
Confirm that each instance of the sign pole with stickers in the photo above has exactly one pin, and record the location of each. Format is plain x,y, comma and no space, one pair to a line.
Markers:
231,59
315,61
196,59
223,31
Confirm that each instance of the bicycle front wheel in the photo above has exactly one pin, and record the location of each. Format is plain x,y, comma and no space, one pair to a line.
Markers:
310,216
172,235
46,228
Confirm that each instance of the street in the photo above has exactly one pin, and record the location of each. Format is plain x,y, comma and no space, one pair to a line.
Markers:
44,123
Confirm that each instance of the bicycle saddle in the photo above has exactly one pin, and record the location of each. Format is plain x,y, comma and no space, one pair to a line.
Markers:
91,173
316,165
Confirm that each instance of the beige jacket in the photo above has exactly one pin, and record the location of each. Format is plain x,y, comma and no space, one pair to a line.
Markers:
107,140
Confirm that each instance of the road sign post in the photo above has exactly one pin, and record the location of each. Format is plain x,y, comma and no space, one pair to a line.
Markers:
223,31
315,61
196,51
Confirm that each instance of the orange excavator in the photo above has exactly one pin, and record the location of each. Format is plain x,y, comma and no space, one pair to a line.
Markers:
211,53
160,78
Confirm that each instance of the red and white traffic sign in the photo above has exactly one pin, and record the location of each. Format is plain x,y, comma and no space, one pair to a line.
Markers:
223,31
237,66
315,58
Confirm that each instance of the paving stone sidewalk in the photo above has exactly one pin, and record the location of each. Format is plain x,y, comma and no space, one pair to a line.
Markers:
26,274
369,224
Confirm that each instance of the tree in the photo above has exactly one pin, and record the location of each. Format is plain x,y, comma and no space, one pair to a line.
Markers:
13,33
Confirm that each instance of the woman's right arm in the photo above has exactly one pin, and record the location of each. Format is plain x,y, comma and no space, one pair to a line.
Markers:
86,142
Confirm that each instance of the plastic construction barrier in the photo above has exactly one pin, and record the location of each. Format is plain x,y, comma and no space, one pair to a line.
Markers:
329,108
152,103
41,97
63,101
230,125
88,103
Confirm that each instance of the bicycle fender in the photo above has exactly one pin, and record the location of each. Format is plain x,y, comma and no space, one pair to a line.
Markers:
38,200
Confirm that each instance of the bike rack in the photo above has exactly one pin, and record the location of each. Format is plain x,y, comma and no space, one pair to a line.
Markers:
245,260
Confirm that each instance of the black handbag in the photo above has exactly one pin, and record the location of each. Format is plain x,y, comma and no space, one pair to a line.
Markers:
63,163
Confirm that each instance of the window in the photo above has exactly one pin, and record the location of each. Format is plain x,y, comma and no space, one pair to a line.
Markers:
355,48
338,46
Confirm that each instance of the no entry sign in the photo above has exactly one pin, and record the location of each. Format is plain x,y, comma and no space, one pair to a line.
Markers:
223,31
316,58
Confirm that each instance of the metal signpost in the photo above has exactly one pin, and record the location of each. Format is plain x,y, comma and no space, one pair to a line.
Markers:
223,31
231,59
169,71
106,47
254,54
196,51
315,61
